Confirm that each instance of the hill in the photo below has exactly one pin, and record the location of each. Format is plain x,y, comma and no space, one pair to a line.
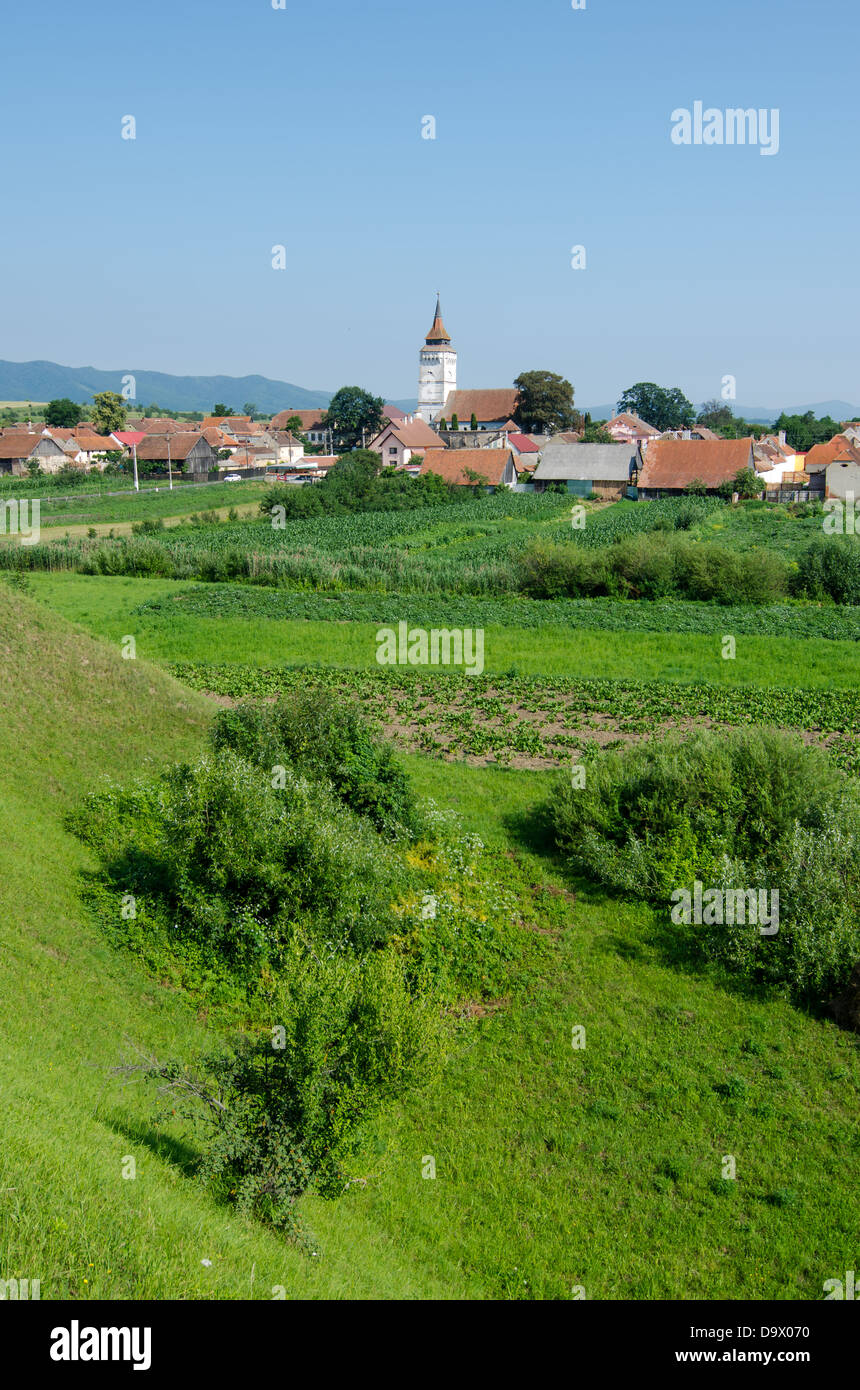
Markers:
45,381
70,1006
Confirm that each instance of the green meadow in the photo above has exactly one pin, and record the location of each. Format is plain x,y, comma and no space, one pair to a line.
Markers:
557,1168
111,607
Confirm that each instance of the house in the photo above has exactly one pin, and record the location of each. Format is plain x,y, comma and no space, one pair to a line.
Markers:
312,425
235,423
670,466
18,447
288,449
398,444
524,446
492,408
627,428
189,452
692,432
842,477
606,469
775,460
162,424
88,446
821,455
495,467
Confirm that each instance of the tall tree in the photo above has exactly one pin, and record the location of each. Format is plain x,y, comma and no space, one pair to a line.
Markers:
108,412
220,409
249,408
353,413
716,415
545,404
666,408
63,413
802,431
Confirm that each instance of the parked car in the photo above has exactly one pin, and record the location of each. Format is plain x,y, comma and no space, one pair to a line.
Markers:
232,477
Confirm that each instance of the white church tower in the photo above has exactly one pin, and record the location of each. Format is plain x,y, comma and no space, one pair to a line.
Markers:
437,370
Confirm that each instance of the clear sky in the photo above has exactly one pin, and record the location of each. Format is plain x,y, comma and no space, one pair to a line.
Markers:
302,127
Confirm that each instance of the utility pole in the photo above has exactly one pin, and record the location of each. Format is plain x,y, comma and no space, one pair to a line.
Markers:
169,464
134,456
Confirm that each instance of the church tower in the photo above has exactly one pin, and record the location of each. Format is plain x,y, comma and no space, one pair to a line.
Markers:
437,370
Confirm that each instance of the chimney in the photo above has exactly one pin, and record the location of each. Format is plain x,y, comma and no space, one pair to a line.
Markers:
782,436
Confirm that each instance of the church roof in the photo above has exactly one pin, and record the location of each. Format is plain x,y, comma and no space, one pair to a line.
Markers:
438,333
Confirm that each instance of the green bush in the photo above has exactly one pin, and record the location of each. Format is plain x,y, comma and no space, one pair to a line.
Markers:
749,809
655,564
230,867
280,1115
321,735
830,568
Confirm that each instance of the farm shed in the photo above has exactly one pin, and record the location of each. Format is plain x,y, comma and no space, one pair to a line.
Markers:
606,469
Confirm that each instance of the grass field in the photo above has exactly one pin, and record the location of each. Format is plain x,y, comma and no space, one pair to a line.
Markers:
556,1168
74,516
113,607
542,1153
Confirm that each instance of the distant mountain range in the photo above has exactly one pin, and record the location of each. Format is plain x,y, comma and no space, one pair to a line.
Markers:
756,414
46,381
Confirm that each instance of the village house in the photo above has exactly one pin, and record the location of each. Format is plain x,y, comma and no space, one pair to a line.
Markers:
398,444
188,451
18,447
671,466
776,462
842,477
605,469
526,449
464,467
311,423
627,428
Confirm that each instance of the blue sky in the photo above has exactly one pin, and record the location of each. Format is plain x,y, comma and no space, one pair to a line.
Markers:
301,127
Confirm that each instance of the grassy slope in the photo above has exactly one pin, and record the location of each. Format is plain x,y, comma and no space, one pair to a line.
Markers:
105,606
555,1167
74,710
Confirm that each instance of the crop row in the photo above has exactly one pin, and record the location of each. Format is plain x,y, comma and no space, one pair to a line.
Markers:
600,614
510,717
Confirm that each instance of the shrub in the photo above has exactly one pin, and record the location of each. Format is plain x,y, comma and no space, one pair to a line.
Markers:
750,809
653,564
322,736
280,1114
830,568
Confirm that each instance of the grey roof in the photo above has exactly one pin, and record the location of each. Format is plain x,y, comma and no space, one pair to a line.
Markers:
603,463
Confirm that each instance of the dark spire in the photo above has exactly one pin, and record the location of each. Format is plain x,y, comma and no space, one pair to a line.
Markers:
438,333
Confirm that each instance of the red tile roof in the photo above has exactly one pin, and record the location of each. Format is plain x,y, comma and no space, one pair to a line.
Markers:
154,446
523,444
311,419
493,404
18,445
820,455
451,464
675,463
